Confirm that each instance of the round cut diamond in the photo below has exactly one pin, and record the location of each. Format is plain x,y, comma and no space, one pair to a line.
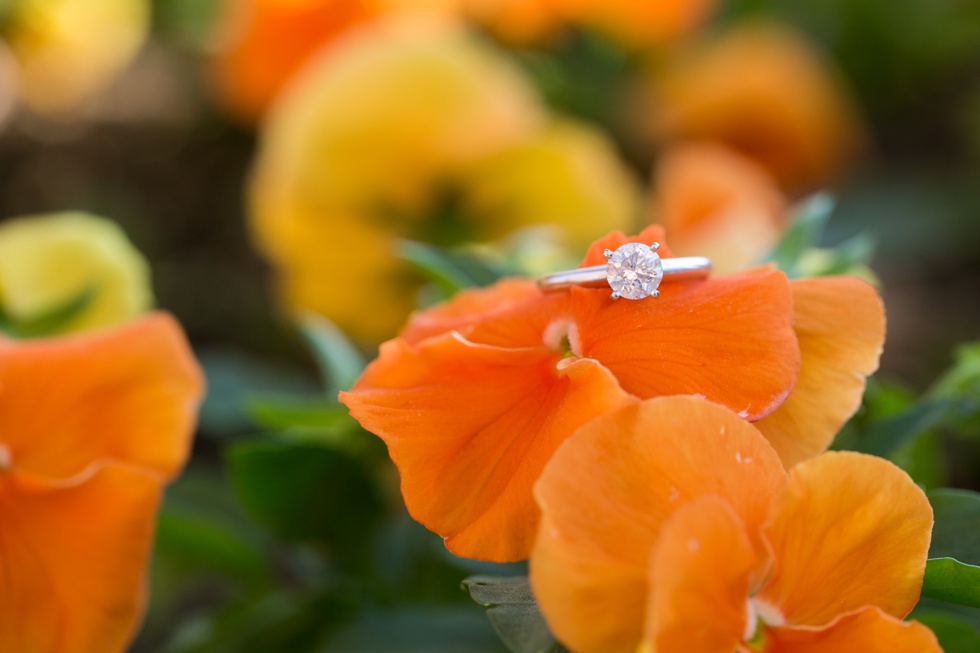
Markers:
634,271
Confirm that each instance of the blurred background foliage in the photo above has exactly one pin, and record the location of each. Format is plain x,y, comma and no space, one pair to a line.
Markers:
287,532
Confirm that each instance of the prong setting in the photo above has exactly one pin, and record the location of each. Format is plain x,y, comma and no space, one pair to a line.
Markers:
655,246
615,295
607,253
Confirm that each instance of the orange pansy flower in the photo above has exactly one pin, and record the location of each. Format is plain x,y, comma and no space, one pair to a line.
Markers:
678,518
717,203
91,428
476,394
762,90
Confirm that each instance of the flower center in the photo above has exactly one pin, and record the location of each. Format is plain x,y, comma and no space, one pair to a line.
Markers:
758,613
562,335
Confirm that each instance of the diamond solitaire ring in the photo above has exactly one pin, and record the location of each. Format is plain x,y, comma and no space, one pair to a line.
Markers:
633,271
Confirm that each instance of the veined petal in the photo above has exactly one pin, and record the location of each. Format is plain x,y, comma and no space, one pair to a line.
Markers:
702,567
729,339
510,313
470,428
609,489
868,631
615,240
128,395
72,559
849,531
840,325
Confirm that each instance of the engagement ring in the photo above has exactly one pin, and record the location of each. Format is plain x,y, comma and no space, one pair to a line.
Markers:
633,271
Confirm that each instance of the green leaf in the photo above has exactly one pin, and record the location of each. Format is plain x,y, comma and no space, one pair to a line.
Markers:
805,231
279,413
884,436
450,271
956,533
308,492
952,581
49,323
514,613
339,360
955,634
416,630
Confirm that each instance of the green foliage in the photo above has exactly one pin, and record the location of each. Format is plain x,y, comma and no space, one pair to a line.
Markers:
956,533
514,613
307,492
450,270
952,581
798,253
339,359
50,323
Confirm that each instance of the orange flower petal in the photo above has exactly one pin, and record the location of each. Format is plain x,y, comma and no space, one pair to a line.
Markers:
512,312
840,324
851,530
702,564
729,339
867,631
72,560
471,426
129,394
616,239
608,491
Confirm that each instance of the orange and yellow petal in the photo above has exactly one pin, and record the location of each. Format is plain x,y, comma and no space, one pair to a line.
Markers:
471,426
607,493
729,339
702,568
849,531
762,90
128,395
840,325
867,631
717,203
73,558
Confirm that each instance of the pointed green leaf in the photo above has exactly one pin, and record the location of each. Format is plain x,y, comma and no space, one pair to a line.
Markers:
952,581
805,230
339,359
514,613
956,533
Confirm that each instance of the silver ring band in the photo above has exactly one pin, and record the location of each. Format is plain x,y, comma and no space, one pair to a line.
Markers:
680,268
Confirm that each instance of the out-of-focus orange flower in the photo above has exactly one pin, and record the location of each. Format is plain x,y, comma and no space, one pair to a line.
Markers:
68,50
91,427
717,203
476,394
264,42
645,23
762,90
677,518
416,132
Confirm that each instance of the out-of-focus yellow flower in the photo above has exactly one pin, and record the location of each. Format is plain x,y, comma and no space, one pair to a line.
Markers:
47,262
717,203
415,132
762,90
68,50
